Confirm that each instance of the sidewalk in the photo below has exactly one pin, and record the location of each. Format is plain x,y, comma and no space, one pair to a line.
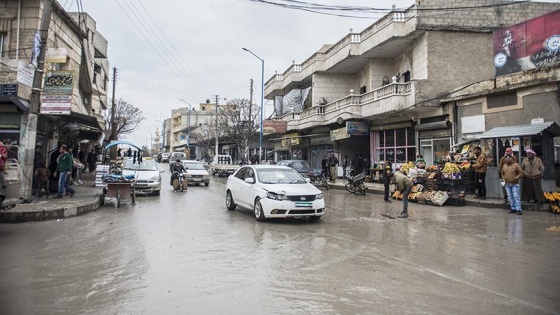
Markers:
86,199
378,189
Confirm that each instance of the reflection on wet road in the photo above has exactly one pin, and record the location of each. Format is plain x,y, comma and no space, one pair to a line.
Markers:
184,253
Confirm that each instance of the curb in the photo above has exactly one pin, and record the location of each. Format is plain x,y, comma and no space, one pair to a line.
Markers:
14,216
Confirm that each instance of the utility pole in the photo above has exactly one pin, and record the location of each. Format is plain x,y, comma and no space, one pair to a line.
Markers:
29,136
114,123
250,115
216,152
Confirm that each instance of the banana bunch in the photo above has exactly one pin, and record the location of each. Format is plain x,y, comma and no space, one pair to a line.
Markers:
451,168
406,167
552,196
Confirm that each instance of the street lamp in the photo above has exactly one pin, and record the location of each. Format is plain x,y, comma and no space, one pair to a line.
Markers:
262,101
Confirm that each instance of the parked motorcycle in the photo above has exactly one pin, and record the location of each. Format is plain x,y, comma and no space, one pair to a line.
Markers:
179,182
355,184
318,179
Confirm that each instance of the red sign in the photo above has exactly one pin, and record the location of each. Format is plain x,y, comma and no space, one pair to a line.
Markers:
528,45
274,126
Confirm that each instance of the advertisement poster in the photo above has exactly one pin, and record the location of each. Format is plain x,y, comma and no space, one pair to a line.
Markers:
274,126
515,144
529,45
56,104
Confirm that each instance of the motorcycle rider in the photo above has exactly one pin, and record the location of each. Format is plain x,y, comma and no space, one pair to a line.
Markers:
177,169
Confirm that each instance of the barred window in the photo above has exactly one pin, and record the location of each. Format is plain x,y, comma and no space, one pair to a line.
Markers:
502,100
3,44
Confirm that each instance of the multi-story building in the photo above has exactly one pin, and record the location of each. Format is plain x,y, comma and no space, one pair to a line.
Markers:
376,92
185,120
74,79
166,135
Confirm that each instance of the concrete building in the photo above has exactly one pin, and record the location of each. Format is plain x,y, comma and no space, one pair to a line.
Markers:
376,92
166,135
76,61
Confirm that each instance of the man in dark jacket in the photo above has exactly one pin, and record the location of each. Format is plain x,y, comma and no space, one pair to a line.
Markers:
177,168
333,162
63,169
386,180
358,164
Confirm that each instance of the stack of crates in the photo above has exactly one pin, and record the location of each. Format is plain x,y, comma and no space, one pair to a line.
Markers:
100,172
456,192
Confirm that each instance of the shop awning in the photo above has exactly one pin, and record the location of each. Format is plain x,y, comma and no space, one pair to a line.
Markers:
466,141
522,130
21,104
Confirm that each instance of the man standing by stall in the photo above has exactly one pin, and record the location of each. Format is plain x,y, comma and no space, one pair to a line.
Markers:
510,173
480,167
333,163
533,170
509,152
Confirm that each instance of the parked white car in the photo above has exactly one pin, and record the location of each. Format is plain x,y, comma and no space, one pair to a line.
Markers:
273,191
196,173
148,175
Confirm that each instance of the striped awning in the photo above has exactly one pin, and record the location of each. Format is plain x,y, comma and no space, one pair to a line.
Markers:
522,130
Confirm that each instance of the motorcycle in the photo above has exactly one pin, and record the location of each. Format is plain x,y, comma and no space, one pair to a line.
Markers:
318,179
179,182
355,184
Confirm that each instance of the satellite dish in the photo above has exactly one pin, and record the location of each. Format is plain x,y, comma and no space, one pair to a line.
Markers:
340,121
323,101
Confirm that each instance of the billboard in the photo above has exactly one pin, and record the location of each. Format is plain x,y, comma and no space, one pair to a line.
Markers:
59,82
274,126
528,45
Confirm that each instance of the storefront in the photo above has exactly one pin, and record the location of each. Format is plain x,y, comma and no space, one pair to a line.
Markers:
538,136
398,145
435,141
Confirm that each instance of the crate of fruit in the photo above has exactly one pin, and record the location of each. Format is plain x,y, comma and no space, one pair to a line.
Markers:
439,198
450,175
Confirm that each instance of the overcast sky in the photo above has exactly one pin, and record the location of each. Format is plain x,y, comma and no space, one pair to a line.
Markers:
199,47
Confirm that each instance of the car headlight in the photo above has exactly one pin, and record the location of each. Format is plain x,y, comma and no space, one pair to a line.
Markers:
154,178
319,197
276,196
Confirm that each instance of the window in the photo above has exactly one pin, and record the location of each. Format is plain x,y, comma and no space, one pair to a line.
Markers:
241,173
395,144
3,44
502,100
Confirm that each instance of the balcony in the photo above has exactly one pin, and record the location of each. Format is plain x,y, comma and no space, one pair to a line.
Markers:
383,39
388,99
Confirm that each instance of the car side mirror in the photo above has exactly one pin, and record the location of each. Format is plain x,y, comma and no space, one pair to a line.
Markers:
250,180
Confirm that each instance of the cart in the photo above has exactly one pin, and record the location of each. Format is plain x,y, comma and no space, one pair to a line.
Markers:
120,192
123,190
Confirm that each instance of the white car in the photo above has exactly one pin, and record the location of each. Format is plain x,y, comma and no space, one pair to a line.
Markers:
165,157
196,173
147,173
273,191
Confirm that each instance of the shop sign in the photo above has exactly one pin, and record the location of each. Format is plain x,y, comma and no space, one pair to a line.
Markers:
8,89
56,55
290,139
274,126
357,128
59,82
473,124
56,104
25,73
338,134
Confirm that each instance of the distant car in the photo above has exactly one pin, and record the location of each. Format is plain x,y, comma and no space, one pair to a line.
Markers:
165,157
301,166
196,173
176,156
273,191
148,175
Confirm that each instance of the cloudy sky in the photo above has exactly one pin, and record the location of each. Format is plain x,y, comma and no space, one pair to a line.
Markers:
168,50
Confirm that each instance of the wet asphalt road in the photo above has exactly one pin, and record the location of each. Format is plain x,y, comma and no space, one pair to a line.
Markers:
184,253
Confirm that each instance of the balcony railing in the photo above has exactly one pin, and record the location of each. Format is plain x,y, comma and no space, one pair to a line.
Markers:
390,90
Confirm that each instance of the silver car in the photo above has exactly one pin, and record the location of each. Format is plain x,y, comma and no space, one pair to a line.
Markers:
147,173
196,173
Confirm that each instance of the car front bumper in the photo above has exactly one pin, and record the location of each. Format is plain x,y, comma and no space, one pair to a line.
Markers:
197,180
147,187
286,209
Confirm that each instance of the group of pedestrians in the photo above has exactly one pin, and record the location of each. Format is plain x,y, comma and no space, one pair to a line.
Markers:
329,164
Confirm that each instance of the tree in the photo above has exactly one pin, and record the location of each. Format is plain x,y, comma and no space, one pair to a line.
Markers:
204,137
238,122
128,117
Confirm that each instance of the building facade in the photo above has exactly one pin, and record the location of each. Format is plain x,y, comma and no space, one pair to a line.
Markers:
376,92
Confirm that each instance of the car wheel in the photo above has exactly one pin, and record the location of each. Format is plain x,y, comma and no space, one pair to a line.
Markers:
157,192
259,213
229,201
314,218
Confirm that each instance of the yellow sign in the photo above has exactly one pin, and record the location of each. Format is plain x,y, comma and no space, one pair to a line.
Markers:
338,134
290,139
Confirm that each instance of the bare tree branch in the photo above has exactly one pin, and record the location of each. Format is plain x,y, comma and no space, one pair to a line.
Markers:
128,117
238,122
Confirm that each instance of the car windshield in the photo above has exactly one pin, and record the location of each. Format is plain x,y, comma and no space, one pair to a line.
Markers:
279,176
144,166
194,166
301,165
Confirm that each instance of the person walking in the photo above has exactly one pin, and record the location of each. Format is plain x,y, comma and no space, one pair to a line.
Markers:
508,151
344,165
63,169
333,162
357,165
533,170
42,174
92,160
511,173
325,166
387,170
480,167
404,185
